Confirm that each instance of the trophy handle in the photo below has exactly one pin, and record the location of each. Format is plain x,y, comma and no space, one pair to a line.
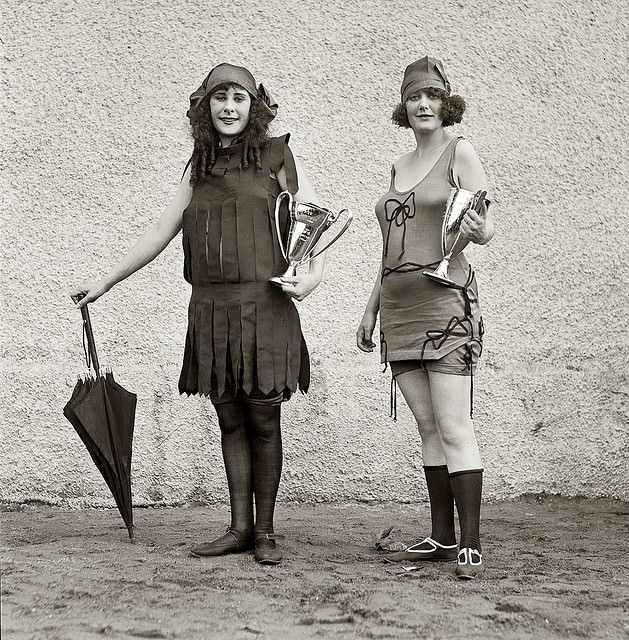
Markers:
278,204
333,218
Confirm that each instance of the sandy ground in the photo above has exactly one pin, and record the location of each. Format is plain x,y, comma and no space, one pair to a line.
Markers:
557,568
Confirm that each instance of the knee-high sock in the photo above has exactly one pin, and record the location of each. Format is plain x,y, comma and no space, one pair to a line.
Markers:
441,504
266,446
467,487
236,447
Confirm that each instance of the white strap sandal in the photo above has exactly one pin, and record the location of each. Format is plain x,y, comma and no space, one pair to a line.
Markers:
435,547
435,552
469,563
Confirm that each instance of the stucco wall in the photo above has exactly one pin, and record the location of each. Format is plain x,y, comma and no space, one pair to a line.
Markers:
95,140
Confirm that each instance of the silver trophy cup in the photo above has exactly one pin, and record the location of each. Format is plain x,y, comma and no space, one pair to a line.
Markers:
459,203
308,223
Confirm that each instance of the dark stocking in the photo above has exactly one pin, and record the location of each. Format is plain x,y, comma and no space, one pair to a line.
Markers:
441,504
467,487
236,446
266,446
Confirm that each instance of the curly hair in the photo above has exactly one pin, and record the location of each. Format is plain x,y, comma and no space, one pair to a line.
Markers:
451,112
206,140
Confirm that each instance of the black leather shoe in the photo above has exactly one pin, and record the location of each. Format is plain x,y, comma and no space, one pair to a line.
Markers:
232,542
266,550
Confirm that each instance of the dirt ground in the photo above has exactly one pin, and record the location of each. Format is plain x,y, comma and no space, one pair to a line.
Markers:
556,568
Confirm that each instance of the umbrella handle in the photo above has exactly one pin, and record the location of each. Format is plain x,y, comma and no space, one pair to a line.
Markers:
87,328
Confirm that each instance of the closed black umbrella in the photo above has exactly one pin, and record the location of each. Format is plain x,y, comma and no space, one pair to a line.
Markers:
103,414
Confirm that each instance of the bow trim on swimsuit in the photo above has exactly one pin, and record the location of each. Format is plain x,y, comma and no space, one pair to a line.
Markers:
398,213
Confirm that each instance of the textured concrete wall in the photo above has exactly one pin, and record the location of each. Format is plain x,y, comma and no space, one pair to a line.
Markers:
95,140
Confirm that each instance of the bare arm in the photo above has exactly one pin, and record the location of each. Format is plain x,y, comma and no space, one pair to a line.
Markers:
364,335
154,240
470,174
302,285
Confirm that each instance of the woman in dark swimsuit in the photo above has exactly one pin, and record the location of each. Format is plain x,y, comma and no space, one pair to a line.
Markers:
244,346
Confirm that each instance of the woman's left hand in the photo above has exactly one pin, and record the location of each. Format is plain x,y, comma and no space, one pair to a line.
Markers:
474,226
300,286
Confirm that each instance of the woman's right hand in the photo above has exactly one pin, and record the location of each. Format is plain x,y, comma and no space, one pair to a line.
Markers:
365,332
89,291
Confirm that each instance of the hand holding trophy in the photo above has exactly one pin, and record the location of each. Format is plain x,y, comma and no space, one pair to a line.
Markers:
452,241
308,222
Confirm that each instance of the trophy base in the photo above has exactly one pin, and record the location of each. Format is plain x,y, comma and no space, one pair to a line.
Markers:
433,275
277,281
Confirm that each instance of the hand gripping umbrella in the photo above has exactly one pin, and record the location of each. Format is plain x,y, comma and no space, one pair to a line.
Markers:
103,414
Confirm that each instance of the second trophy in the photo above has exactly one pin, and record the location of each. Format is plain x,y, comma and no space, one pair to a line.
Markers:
307,224
452,240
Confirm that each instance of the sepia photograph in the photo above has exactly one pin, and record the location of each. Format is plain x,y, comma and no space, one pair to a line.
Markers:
314,320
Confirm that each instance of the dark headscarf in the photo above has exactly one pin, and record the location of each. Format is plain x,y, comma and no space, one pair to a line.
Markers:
225,73
424,73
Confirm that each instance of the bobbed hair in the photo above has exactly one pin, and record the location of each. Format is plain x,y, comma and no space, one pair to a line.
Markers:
452,109
207,142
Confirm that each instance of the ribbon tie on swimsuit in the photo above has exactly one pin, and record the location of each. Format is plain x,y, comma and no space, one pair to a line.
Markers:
456,327
398,212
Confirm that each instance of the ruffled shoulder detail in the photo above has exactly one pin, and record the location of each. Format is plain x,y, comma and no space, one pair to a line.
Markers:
282,156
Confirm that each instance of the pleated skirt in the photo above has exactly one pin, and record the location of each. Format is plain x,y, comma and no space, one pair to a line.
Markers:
243,336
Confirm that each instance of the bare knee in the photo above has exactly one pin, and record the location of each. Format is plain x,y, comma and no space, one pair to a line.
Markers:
427,428
457,436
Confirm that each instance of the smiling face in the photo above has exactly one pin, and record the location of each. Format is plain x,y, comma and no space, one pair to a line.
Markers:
424,111
229,108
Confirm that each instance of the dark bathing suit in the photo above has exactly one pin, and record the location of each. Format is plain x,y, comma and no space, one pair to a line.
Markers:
244,334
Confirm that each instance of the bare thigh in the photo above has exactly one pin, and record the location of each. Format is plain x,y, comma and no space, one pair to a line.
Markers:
451,405
415,387
450,396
